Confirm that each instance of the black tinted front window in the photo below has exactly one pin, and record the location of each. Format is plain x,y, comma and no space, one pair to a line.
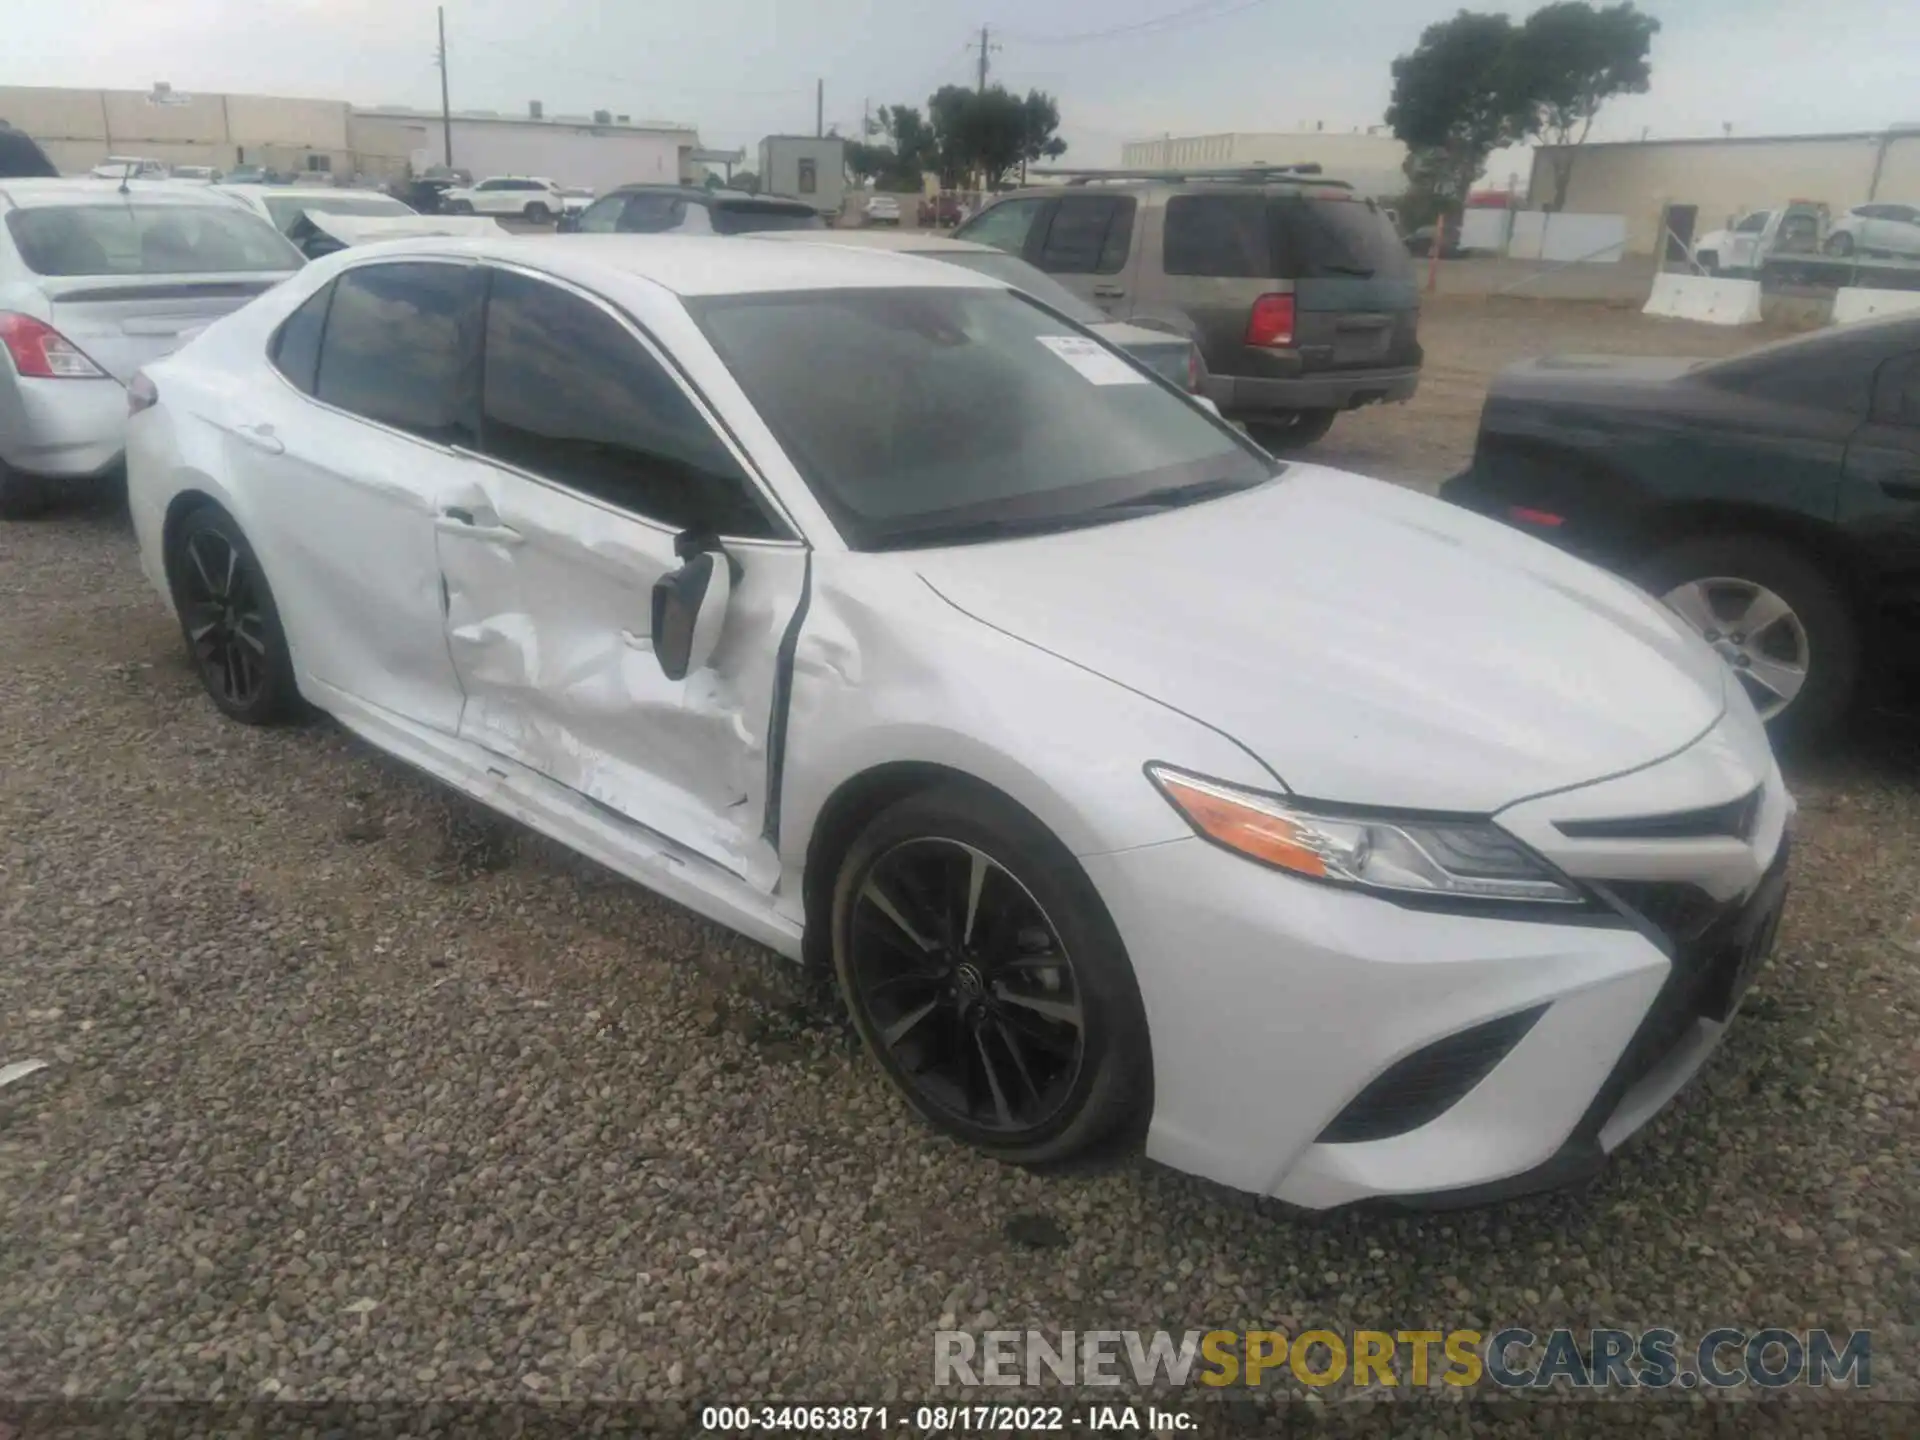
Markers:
296,345
914,414
743,218
399,345
571,395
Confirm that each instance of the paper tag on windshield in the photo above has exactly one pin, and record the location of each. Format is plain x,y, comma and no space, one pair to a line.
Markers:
1098,365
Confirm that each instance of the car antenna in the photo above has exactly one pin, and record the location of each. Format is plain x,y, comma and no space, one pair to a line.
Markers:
126,174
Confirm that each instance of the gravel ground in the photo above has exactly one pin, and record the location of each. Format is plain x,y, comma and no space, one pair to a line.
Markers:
355,1092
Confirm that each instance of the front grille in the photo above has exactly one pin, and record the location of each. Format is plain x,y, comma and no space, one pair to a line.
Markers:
1709,942
1733,820
1429,1082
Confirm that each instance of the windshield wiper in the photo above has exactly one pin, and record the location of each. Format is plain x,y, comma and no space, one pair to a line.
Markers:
1171,497
1004,527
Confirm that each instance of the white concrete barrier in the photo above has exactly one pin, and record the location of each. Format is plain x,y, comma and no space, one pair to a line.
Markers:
1706,299
1852,303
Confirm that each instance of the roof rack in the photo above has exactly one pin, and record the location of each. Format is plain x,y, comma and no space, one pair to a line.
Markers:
1307,172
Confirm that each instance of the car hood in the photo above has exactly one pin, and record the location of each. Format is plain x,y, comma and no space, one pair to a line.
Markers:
1370,645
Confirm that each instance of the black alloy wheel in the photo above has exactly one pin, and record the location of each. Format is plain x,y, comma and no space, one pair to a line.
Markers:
968,984
985,976
229,620
538,213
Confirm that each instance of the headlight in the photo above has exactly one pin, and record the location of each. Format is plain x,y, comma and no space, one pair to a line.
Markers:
1470,859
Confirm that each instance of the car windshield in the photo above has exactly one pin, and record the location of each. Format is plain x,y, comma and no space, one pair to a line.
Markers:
741,217
1016,272
136,239
287,209
933,416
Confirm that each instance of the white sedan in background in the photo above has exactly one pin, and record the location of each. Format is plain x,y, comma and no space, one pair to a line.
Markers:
883,210
95,281
528,196
1130,781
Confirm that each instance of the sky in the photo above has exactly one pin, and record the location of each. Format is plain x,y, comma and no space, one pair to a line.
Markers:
1121,69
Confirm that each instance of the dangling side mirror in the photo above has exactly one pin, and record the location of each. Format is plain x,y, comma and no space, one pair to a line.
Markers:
689,609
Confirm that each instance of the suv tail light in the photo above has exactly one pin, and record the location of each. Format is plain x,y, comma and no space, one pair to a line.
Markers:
1193,369
141,394
41,352
1271,321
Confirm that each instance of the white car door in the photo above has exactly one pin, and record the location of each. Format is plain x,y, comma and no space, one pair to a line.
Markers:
345,463
1899,232
598,456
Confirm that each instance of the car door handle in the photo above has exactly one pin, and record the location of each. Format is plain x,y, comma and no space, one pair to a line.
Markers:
1110,292
261,437
477,525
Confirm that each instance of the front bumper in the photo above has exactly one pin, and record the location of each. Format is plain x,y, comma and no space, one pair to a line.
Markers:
1274,1003
1249,397
61,429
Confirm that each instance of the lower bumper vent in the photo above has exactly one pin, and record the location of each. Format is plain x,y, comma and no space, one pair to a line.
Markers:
1429,1082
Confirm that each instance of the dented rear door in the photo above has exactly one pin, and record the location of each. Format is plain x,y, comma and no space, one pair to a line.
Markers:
595,456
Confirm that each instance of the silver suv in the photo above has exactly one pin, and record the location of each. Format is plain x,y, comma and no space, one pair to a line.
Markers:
1298,292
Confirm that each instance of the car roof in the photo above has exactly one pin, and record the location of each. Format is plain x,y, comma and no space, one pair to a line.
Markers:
302,192
27,194
909,242
691,265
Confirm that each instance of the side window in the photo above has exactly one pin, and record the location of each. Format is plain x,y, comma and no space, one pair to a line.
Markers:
652,214
295,351
1752,225
809,177
1089,235
399,345
1004,226
487,185
1223,236
603,216
571,395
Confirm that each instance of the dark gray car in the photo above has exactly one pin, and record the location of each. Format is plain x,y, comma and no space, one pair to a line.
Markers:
1299,293
689,210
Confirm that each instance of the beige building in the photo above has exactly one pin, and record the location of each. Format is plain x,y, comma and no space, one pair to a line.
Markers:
1700,185
80,128
593,151
1368,162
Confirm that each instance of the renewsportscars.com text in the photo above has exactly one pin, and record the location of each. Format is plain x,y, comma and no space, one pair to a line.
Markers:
1511,1358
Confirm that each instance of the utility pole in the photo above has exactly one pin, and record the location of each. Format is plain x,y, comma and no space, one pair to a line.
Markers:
866,118
983,60
819,108
446,109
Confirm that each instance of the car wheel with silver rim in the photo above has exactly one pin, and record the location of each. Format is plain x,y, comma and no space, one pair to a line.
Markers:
1774,615
985,976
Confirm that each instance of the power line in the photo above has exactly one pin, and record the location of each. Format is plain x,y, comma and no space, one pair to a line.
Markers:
1195,14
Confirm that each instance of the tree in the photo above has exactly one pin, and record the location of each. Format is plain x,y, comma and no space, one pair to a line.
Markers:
1456,99
1572,58
746,180
868,162
992,131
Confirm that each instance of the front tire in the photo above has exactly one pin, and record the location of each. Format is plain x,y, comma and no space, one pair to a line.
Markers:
983,971
460,207
538,214
1291,430
229,621
1780,621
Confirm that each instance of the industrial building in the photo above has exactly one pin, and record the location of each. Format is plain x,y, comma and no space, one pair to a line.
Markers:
80,128
597,151
1699,185
1370,162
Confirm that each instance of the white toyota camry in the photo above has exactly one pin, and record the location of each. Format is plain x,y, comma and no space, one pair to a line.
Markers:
1335,842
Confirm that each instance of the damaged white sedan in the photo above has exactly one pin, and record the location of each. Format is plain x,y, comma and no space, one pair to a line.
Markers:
1332,841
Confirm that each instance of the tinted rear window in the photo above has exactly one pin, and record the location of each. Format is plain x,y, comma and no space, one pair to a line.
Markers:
137,239
399,339
1338,237
1254,237
742,217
